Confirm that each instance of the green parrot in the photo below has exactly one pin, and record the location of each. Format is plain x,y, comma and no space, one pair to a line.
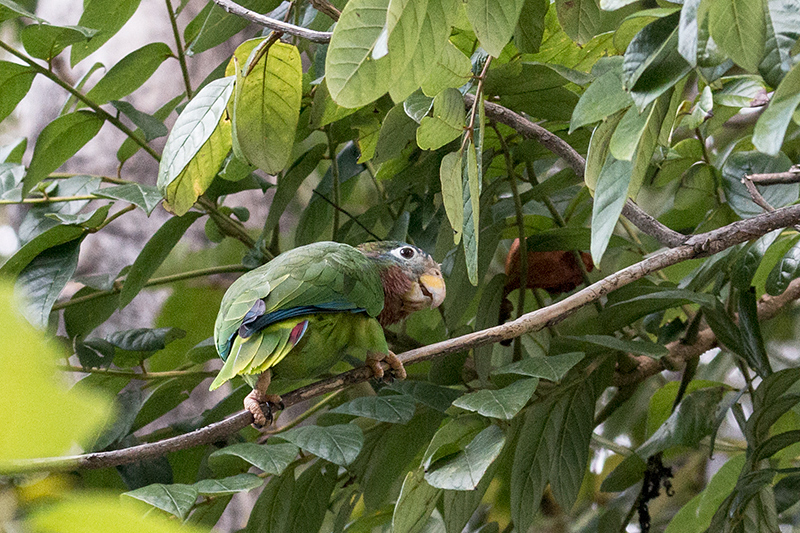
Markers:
302,312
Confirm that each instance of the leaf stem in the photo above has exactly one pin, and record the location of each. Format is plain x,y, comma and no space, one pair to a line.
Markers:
155,281
80,96
179,45
138,375
52,199
335,176
113,217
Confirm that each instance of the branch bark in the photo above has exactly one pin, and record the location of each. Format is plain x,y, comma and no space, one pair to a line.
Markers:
646,224
699,246
273,24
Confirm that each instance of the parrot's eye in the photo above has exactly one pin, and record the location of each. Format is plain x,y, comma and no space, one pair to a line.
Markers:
406,252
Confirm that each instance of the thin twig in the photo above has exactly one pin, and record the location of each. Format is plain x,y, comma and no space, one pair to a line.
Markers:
52,199
179,45
790,176
148,376
561,148
347,214
700,246
226,224
273,24
80,96
475,100
153,282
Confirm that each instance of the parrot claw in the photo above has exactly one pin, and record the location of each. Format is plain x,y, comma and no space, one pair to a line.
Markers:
262,406
396,369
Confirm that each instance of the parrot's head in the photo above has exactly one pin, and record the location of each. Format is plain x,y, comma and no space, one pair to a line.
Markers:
412,280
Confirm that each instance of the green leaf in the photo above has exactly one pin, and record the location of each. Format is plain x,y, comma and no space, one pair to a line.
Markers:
739,28
580,19
434,396
59,141
610,197
324,110
418,32
148,124
82,318
604,97
270,513
471,178
650,349
145,197
552,367
267,105
598,149
452,69
459,506
36,220
196,146
129,73
396,409
503,403
271,459
310,497
145,339
47,239
89,220
781,40
415,504
452,192
354,78
97,511
772,124
554,446
44,41
740,164
695,516
42,280
486,317
466,469
289,183
687,32
786,270
129,147
688,424
530,26
153,254
397,131
447,121
453,437
95,353
652,62
228,485
418,105
177,499
338,444
494,22
750,329
108,16
18,10
28,365
748,264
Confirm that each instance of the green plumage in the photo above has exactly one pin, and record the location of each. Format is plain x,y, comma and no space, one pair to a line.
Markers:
333,286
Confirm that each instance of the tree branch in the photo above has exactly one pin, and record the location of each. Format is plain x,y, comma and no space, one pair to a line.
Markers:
273,24
561,148
700,246
790,176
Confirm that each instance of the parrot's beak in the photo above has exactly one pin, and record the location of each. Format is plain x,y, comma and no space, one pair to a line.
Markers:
432,285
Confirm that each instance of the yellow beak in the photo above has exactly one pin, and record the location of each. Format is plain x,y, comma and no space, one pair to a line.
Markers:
433,285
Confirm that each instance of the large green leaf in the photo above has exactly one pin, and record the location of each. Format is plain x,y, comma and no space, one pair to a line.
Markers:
397,131
44,41
10,9
152,127
145,339
310,497
47,239
786,270
153,254
338,444
196,146
271,510
129,147
42,280
604,97
433,396
472,182
447,121
783,31
228,485
552,367
145,197
272,459
452,192
502,403
353,76
772,124
108,16
267,106
494,22
579,18
415,504
59,141
177,499
129,73
466,469
396,409
738,28
610,197
452,69
530,26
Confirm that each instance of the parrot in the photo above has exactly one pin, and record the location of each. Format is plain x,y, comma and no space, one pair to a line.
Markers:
306,309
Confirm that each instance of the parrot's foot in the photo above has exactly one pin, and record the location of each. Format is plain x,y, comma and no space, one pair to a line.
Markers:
261,406
396,368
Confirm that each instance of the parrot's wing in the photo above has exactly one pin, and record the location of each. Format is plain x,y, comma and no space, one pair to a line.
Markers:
321,277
